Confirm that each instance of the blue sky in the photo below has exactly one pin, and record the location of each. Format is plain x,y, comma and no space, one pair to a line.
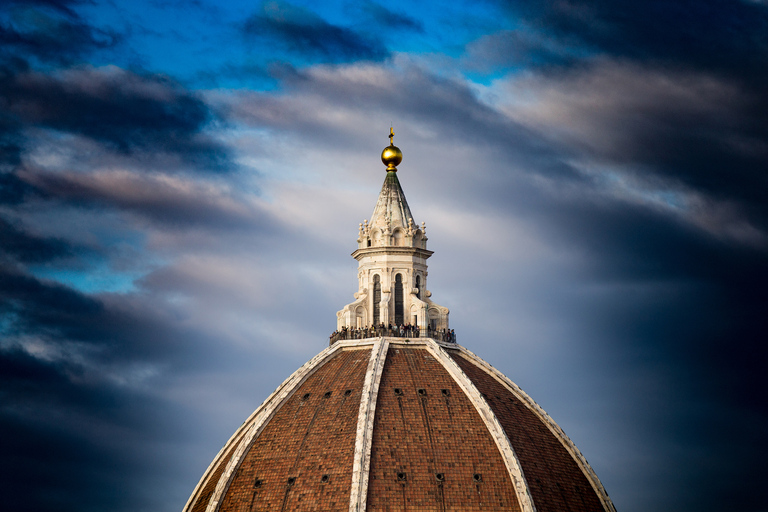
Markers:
181,184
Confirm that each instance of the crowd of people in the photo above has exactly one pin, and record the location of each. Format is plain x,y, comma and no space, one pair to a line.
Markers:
396,331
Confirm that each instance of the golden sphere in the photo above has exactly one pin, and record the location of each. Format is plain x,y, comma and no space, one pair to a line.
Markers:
391,156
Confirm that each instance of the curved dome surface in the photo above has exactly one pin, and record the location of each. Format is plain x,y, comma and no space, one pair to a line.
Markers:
396,424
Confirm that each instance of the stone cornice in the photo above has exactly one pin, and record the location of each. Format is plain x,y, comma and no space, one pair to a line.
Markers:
391,250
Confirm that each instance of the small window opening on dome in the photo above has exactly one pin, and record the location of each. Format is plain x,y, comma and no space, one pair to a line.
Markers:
445,392
440,477
324,479
292,480
327,395
477,477
398,392
348,392
402,477
422,392
257,483
305,397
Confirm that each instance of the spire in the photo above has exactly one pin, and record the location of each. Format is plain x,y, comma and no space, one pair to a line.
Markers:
392,221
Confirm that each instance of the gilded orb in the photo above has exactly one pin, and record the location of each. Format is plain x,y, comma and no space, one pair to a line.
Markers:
391,156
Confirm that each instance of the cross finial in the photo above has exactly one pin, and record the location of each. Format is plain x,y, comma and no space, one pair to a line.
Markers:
391,135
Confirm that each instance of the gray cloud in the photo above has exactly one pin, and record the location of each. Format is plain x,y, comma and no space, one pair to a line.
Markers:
129,112
49,31
306,34
170,201
28,248
591,222
687,133
727,37
390,19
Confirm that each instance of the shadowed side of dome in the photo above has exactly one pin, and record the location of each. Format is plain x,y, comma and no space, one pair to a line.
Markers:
558,476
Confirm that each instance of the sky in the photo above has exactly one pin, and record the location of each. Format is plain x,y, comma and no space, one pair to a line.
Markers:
181,184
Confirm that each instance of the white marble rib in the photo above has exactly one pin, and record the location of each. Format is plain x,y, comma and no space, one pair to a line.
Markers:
492,423
258,420
362,457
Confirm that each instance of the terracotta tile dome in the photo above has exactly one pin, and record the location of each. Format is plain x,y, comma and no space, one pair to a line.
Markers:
396,424
398,417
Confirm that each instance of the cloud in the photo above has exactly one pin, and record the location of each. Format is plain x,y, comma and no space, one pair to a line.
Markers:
80,396
129,112
49,31
28,248
515,48
688,141
611,190
304,33
170,201
726,36
391,19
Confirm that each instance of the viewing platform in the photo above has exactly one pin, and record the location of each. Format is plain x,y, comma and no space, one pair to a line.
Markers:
405,331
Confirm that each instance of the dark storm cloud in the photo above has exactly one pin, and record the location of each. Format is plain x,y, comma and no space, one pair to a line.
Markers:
75,374
687,130
664,295
13,190
384,17
304,33
116,328
165,201
28,248
674,132
724,35
129,112
49,32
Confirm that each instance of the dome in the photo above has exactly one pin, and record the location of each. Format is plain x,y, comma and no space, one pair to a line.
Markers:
391,423
395,415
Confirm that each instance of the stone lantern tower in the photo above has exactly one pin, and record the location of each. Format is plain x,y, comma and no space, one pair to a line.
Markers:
392,255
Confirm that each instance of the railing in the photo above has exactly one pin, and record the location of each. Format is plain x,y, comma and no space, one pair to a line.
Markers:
405,331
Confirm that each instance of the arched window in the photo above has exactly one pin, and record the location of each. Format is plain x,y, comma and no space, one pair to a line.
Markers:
376,299
418,286
399,300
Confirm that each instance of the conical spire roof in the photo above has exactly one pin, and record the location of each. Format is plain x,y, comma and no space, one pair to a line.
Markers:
391,210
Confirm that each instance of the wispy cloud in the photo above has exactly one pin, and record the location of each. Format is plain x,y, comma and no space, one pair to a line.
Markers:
305,34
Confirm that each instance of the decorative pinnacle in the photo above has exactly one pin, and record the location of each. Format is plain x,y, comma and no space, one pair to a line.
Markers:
391,156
